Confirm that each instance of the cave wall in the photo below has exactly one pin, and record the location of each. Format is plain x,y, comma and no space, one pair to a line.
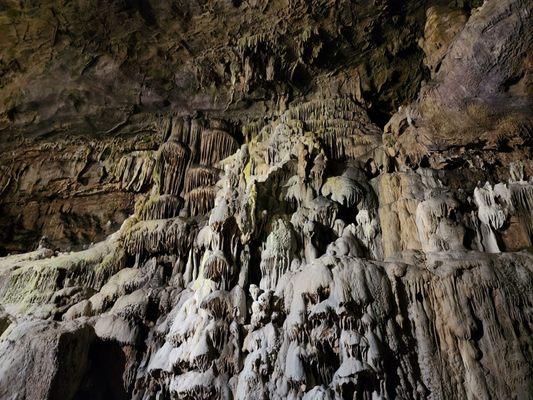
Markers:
266,200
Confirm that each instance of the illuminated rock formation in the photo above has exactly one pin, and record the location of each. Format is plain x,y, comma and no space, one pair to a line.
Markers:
277,242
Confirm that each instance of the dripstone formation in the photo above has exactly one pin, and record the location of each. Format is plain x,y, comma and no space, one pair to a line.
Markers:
266,200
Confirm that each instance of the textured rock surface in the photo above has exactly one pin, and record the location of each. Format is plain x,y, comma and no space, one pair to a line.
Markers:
336,205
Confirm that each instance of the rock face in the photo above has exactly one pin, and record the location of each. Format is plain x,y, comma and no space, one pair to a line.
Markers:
203,207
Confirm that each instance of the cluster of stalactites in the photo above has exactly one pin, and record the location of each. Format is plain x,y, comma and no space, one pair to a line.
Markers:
204,339
185,130
331,340
208,142
134,171
160,236
201,200
200,190
200,176
326,322
186,164
172,159
496,206
161,207
252,129
216,145
325,319
342,125
219,270
417,212
277,254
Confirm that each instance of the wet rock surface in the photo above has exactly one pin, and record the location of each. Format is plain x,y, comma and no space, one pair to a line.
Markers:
240,211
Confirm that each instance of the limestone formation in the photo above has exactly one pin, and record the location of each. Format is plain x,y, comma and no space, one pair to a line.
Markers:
252,228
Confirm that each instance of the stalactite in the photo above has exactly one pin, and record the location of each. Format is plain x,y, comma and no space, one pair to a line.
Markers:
157,236
522,201
490,211
195,139
198,176
219,270
277,256
172,159
201,200
188,131
161,207
180,130
219,303
215,146
251,130
342,125
251,42
134,171
330,313
343,190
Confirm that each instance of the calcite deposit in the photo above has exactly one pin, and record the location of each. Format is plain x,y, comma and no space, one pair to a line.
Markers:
304,200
